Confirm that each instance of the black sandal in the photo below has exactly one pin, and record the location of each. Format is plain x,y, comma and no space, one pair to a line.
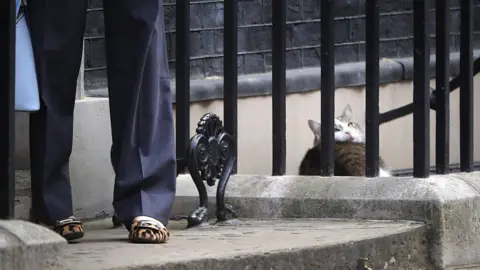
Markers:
148,231
70,228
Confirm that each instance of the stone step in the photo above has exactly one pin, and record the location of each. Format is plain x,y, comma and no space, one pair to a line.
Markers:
258,244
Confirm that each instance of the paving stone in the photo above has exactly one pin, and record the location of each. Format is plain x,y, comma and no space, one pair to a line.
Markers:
257,244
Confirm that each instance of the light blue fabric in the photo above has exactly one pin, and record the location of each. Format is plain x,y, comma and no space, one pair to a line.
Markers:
26,85
19,2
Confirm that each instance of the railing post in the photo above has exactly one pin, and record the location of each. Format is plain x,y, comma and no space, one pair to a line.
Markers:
327,88
421,90
372,118
279,19
182,82
230,70
7,108
466,86
442,98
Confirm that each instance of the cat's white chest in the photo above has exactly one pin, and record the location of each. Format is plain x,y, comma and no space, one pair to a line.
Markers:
383,173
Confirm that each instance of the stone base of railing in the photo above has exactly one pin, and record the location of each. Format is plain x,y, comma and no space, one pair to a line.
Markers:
448,206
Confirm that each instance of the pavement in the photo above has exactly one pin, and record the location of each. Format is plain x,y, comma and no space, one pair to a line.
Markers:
257,244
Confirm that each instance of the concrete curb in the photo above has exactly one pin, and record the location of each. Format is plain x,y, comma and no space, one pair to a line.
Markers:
448,204
27,246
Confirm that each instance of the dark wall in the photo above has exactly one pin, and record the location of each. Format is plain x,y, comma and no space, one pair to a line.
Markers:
303,35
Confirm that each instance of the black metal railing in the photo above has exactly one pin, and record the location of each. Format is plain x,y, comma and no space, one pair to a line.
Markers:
466,86
210,154
423,98
438,99
279,89
7,110
442,106
421,89
372,81
182,83
327,80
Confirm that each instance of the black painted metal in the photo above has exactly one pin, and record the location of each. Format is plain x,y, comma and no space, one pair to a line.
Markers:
230,70
466,86
182,83
211,157
372,117
396,113
279,90
455,82
408,109
7,108
442,95
327,86
421,90
362,262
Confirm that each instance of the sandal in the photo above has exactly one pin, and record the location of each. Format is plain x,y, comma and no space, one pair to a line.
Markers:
148,231
70,228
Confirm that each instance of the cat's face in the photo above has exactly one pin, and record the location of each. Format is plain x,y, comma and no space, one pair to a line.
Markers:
345,129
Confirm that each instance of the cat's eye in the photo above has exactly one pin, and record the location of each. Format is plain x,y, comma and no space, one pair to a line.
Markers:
350,124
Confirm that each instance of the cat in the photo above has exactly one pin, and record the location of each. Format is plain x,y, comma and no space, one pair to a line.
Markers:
349,149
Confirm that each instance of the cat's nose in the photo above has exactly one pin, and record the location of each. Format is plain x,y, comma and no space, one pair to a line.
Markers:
349,135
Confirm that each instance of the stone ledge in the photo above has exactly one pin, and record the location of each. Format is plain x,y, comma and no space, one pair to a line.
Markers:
448,204
27,246
305,79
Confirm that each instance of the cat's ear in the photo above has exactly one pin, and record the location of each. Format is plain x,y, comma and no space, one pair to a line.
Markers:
314,127
347,112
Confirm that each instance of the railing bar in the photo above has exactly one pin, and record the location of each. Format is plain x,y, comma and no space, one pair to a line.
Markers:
455,82
408,109
279,115
372,117
396,113
442,135
7,113
327,89
230,70
466,86
182,83
421,90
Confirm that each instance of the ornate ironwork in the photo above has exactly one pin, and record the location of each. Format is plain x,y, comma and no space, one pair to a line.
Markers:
362,264
116,222
211,157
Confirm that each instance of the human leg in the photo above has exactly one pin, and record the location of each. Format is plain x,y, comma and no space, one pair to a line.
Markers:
57,38
142,153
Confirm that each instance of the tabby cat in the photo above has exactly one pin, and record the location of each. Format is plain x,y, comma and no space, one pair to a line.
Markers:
349,150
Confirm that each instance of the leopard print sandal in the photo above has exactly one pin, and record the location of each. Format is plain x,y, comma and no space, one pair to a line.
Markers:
148,231
70,228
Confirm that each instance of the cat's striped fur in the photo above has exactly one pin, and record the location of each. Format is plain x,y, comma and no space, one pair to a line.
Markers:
349,160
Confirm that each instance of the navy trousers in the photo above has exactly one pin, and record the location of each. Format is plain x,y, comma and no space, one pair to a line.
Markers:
142,152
